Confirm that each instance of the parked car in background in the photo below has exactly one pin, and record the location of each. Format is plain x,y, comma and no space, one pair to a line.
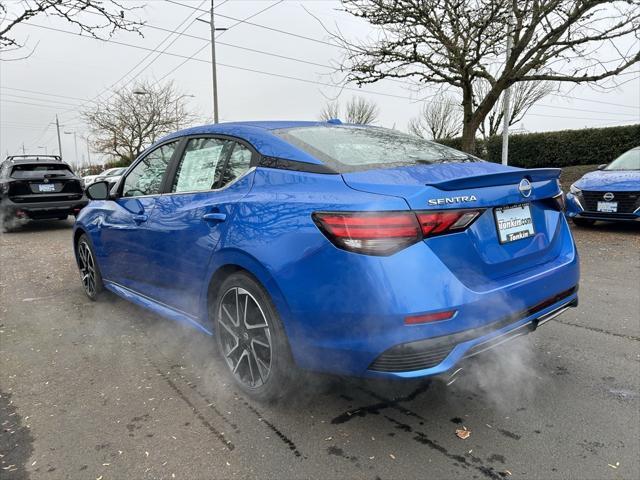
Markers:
112,175
89,179
339,248
612,193
38,187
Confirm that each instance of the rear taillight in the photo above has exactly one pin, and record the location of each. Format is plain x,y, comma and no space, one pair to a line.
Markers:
376,233
446,221
384,233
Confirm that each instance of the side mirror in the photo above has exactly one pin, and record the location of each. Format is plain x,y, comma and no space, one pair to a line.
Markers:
601,167
98,191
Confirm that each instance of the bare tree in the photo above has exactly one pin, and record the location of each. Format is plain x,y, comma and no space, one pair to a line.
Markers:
361,111
457,42
523,96
330,110
131,120
96,18
439,118
357,110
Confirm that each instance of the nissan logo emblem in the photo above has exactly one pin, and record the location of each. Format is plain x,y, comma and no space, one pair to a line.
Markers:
608,196
525,188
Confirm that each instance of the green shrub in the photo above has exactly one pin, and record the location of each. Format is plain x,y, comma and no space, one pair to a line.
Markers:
559,149
566,147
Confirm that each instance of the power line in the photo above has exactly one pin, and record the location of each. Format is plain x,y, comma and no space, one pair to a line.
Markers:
171,32
44,93
221,43
304,80
334,45
258,25
33,104
61,102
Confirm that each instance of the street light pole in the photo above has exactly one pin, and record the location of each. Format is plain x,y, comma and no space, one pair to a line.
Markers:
75,142
88,152
506,105
59,142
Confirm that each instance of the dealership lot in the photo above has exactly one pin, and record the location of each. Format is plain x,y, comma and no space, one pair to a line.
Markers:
107,390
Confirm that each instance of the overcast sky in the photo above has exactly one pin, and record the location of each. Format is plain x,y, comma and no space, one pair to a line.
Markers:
77,69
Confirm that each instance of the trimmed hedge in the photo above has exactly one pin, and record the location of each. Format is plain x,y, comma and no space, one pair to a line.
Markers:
559,149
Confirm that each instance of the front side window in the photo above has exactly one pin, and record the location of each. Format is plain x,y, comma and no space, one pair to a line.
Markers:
201,165
146,177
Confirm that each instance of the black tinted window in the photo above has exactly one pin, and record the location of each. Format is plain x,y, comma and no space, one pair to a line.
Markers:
347,148
146,177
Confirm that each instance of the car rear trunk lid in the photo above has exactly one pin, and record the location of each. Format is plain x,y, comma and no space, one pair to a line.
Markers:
488,256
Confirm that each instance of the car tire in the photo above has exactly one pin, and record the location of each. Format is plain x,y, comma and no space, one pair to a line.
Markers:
90,275
251,339
583,222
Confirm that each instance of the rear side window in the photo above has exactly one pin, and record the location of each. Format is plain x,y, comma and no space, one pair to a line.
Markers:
239,163
146,176
201,165
347,148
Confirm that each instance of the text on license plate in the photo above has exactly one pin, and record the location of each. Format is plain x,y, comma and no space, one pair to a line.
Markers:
514,222
46,187
608,207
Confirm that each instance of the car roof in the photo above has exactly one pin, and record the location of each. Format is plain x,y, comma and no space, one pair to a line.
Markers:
260,135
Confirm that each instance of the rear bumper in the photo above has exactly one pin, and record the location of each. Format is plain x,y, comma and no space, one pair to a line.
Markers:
575,209
435,355
347,325
41,210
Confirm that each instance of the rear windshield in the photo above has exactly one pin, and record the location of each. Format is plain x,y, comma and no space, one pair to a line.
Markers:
348,149
627,161
31,169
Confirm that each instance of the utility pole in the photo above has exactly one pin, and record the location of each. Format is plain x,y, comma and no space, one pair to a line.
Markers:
214,82
506,104
59,142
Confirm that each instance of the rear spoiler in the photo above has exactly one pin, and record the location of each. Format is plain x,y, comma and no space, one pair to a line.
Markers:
500,178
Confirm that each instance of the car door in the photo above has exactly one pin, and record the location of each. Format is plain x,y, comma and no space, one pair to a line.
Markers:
211,175
124,232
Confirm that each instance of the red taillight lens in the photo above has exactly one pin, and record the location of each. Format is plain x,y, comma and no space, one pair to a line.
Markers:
375,233
429,317
438,223
384,233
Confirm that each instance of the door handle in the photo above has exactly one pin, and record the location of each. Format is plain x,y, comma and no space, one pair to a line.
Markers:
140,218
214,217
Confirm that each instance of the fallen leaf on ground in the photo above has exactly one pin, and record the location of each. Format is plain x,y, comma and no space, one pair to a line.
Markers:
463,433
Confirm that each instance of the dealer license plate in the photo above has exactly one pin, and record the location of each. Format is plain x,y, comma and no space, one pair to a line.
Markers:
514,222
608,207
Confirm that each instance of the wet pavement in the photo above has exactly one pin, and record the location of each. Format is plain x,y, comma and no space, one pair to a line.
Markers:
105,390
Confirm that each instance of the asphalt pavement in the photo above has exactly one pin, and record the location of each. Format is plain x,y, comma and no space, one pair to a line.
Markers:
105,390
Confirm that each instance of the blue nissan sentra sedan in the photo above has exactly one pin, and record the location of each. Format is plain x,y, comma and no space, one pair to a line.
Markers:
347,249
611,193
